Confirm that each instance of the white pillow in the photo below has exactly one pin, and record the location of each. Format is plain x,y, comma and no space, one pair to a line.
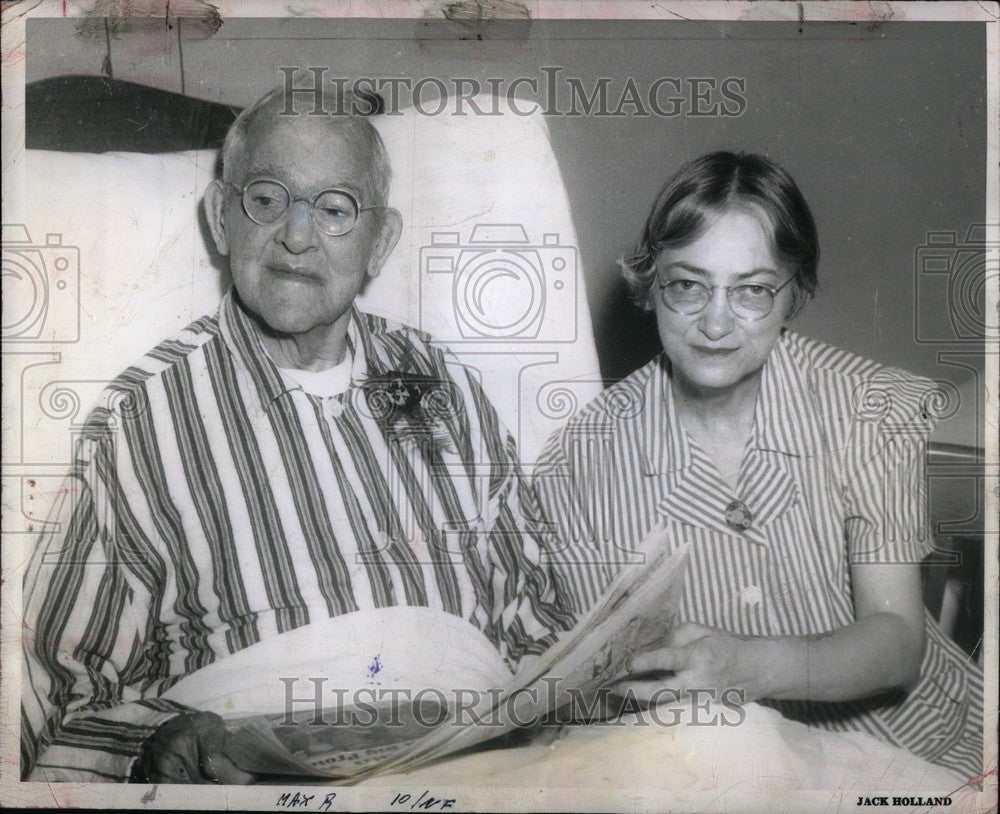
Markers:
487,264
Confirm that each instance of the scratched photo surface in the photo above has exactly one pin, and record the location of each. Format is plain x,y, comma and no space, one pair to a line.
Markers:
328,454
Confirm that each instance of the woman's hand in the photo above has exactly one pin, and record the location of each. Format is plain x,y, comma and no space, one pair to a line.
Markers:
700,658
881,650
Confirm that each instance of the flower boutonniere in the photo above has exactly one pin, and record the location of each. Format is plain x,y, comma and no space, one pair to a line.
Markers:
413,407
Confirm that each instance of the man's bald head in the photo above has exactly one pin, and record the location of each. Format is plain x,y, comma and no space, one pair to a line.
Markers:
296,276
268,112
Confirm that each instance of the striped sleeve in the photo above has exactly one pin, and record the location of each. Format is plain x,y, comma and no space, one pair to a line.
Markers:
884,469
83,634
524,597
580,569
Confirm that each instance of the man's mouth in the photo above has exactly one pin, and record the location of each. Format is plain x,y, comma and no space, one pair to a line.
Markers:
293,272
708,351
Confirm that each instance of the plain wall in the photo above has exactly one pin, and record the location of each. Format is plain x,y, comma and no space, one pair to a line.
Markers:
883,126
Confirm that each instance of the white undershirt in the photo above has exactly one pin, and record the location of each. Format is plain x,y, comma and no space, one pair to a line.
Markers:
324,383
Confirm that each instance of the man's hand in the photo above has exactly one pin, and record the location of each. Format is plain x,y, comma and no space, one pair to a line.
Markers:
700,658
190,749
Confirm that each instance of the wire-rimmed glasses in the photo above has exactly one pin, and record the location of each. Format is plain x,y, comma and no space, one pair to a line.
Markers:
334,211
750,301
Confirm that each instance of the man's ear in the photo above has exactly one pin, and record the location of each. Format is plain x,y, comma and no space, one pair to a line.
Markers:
215,204
388,237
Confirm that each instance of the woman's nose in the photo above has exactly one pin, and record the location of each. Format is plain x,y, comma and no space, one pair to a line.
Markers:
298,232
717,318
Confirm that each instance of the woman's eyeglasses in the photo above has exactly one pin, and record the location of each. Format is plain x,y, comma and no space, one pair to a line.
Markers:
334,211
748,301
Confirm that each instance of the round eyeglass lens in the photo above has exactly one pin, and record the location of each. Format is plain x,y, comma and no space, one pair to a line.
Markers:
335,212
685,296
265,201
754,301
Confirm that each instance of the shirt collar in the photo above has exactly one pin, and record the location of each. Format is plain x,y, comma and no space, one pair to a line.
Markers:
243,340
667,445
785,420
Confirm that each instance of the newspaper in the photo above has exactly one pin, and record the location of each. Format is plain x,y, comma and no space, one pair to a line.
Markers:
638,611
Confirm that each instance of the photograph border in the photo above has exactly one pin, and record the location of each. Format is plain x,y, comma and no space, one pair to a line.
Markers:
15,193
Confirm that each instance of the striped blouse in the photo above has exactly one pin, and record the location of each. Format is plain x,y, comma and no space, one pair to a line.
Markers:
833,474
213,503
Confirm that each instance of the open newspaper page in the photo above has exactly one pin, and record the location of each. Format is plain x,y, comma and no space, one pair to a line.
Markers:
638,612
377,727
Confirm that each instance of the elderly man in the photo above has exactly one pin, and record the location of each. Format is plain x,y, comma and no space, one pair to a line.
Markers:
277,463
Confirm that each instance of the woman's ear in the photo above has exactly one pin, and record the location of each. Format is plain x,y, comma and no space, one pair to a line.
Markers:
215,204
389,232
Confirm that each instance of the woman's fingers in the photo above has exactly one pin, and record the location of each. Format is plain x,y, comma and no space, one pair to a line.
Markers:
666,658
689,632
640,690
708,661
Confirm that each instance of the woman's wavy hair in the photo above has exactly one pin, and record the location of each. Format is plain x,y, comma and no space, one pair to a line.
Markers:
706,188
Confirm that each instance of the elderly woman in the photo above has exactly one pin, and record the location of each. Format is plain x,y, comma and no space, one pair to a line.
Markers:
794,470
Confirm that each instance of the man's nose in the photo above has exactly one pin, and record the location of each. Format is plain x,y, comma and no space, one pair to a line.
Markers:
717,318
298,232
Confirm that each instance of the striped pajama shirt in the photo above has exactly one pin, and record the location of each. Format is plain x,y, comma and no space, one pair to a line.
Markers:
833,473
213,504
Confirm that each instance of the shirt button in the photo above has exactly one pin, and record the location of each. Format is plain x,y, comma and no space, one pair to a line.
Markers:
334,408
752,595
384,540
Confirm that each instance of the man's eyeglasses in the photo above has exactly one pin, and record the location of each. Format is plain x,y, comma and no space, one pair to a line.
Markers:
334,211
748,301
